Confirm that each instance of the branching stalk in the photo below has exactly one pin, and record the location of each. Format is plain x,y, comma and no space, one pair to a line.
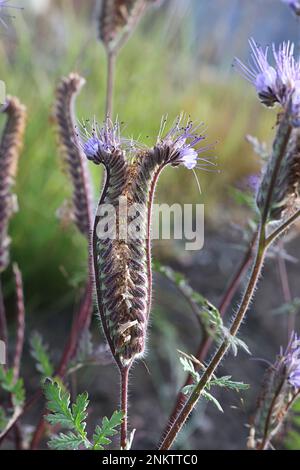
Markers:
279,149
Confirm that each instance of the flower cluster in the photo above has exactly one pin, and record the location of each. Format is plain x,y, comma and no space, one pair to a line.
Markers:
277,83
100,139
182,142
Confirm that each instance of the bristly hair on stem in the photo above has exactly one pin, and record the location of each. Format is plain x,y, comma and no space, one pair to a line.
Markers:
279,150
121,241
10,149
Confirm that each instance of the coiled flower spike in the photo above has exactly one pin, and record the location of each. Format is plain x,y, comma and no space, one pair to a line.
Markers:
73,156
10,148
122,263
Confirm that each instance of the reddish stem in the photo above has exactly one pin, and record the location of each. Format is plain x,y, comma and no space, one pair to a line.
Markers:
20,321
124,406
80,323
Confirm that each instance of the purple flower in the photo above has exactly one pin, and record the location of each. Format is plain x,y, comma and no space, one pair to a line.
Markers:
277,83
100,139
292,361
294,5
183,142
253,182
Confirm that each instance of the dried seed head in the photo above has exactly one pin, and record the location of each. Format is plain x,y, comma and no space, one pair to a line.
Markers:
10,148
117,17
286,193
123,262
74,157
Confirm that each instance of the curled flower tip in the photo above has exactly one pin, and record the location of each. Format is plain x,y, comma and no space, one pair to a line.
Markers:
275,83
98,140
292,361
294,5
183,142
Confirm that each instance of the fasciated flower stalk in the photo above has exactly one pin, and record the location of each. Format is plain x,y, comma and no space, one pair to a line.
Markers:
121,239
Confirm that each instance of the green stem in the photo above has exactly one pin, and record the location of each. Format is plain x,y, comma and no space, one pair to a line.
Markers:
191,403
111,65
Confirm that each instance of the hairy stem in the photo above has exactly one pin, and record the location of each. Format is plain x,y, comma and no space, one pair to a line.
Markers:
265,441
280,230
124,405
206,341
20,321
192,401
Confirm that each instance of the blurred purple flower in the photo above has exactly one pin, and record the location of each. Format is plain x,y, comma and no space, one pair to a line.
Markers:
253,182
292,361
294,5
274,84
3,5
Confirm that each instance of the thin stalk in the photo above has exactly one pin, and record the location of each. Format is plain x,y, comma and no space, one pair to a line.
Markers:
207,341
265,440
111,66
279,149
124,406
286,290
280,230
247,297
20,321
